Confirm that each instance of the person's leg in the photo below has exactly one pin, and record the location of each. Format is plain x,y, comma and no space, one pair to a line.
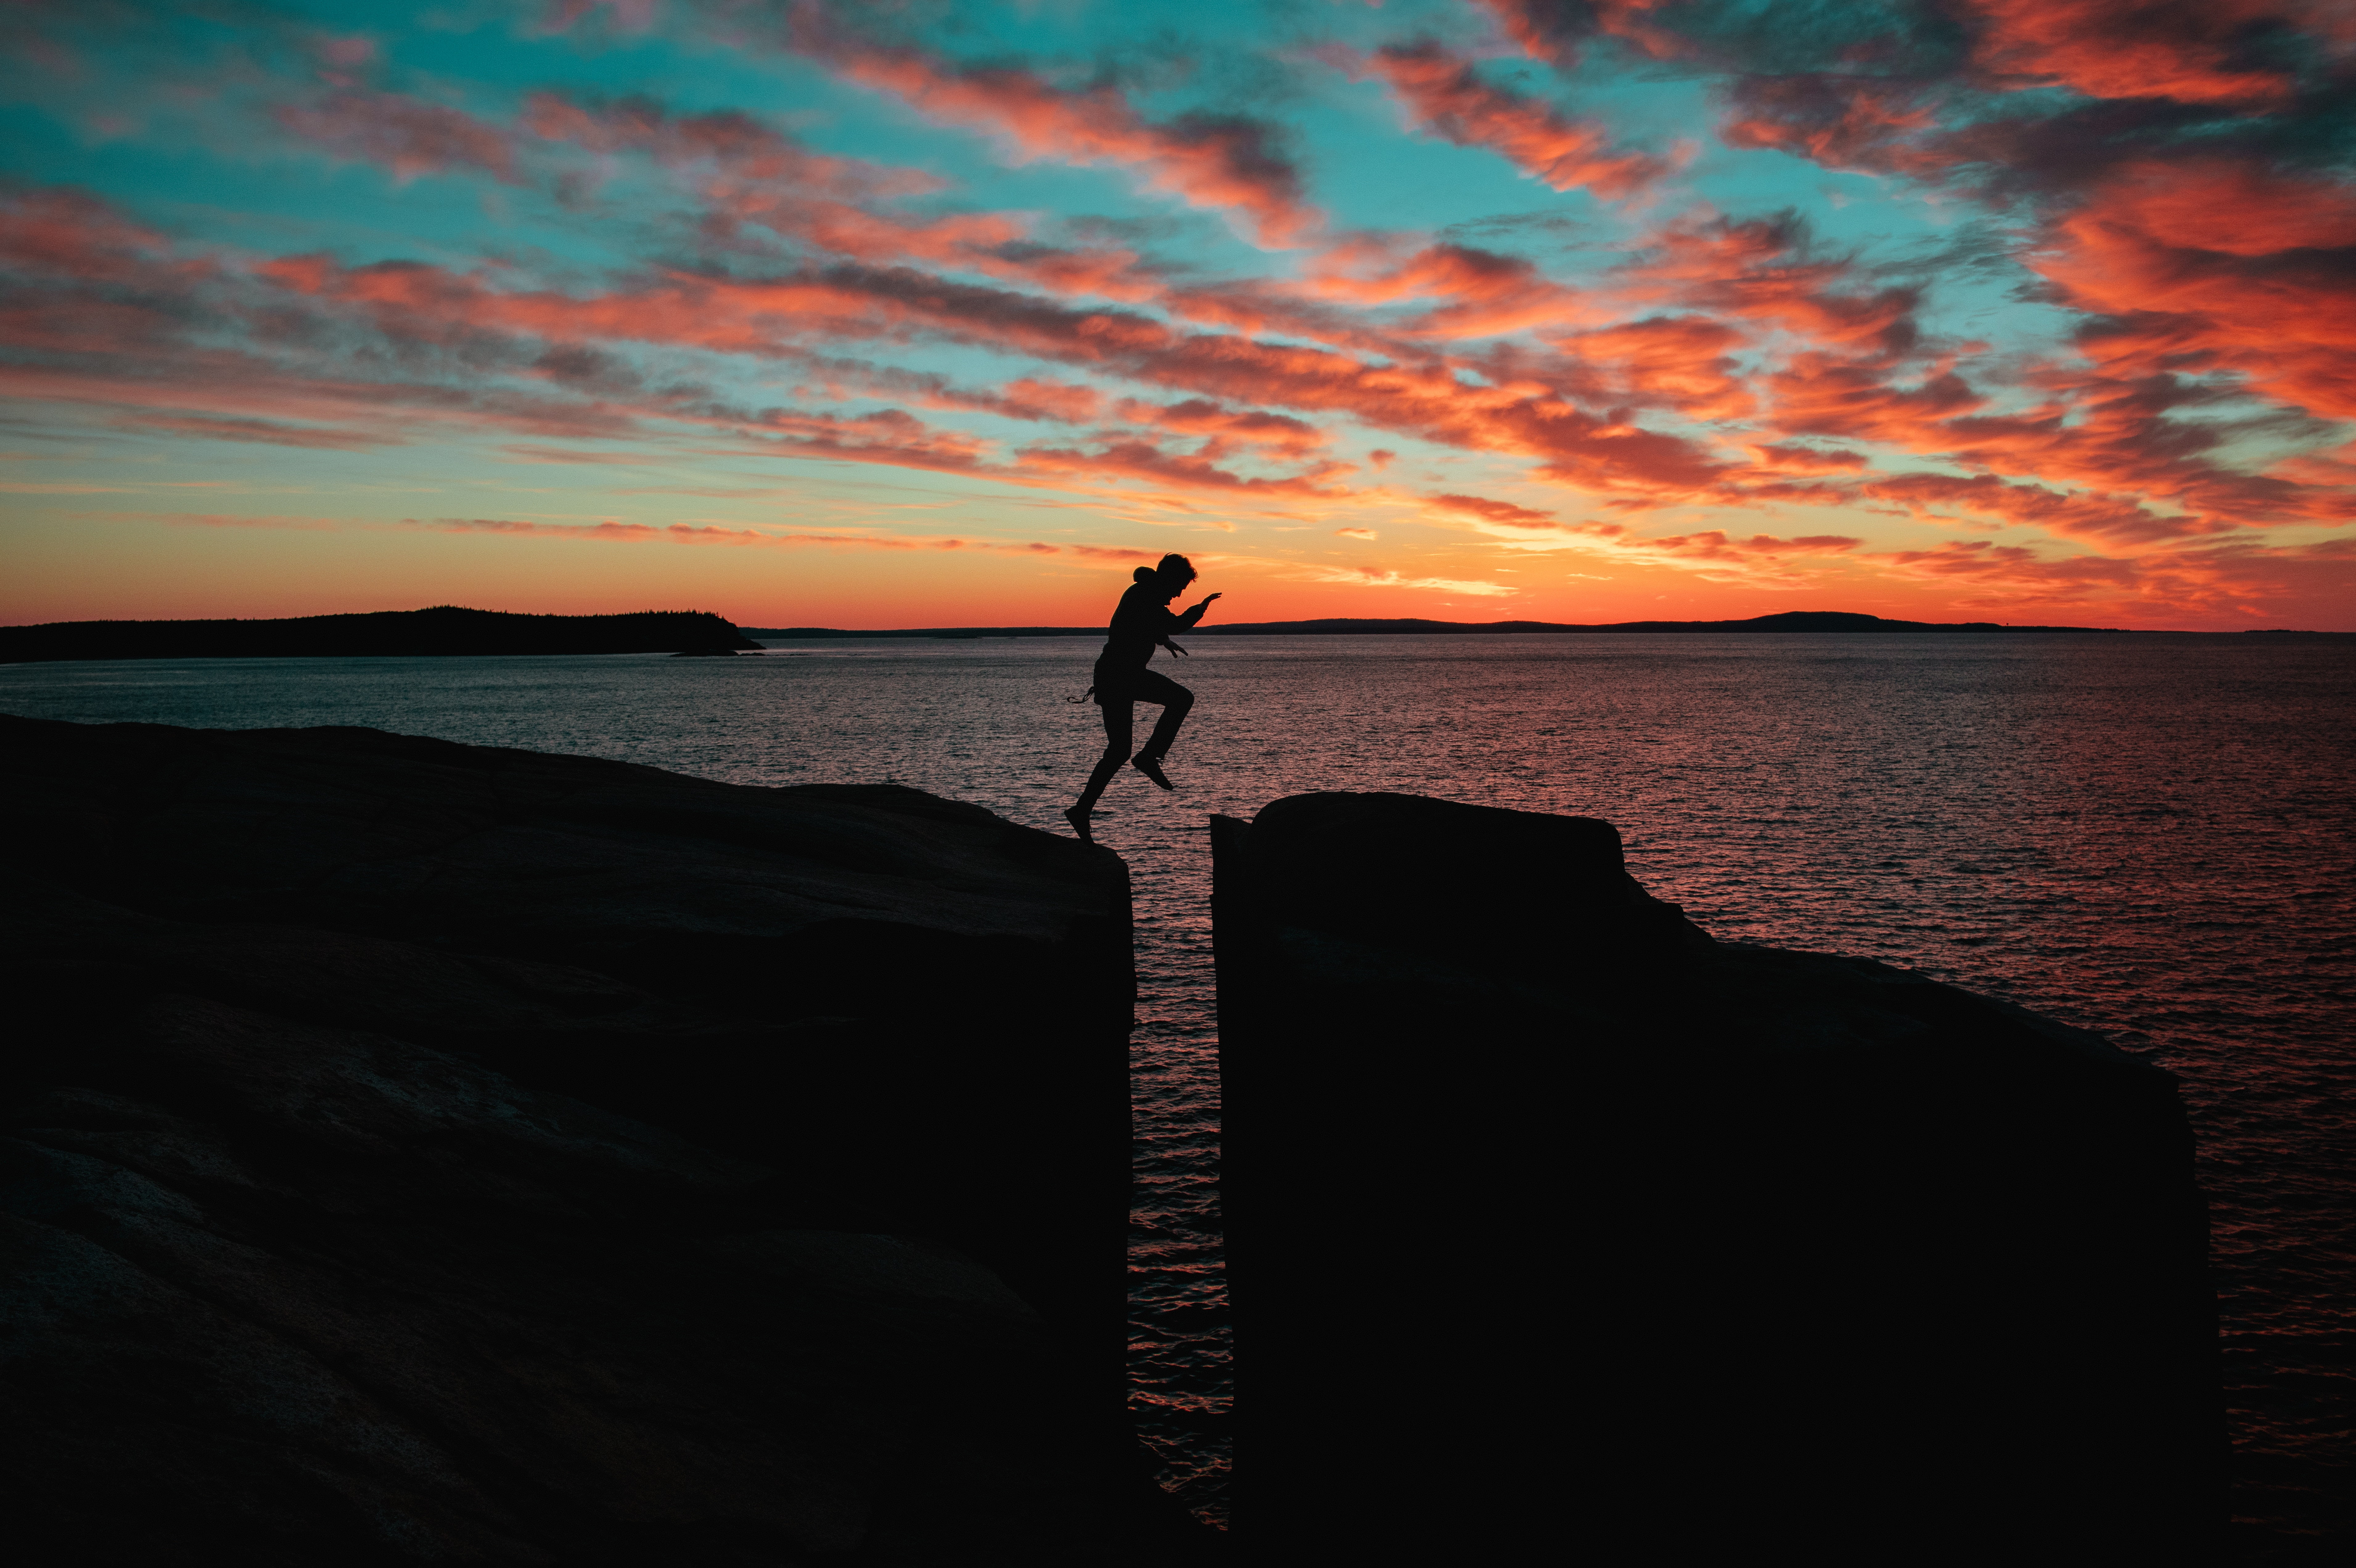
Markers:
1118,732
1175,701
1174,708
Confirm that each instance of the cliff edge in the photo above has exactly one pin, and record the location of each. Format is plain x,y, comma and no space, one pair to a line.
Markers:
1551,1218
419,1151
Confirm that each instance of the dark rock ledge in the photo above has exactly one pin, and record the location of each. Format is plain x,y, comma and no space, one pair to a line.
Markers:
426,1152
1551,1219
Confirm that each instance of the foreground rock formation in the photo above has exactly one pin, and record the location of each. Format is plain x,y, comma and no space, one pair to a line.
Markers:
416,1151
1552,1219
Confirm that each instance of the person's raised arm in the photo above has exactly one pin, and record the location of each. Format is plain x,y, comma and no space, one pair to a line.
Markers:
1194,615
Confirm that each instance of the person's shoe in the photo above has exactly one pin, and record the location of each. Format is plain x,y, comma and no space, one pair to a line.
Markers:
1152,768
1079,820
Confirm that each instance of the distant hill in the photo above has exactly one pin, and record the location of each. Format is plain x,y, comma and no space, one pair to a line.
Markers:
444,630
1789,620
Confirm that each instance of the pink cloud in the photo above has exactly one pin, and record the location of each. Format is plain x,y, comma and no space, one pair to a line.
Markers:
766,316
1504,513
1789,459
109,313
1762,272
406,135
613,532
1222,162
2194,51
1492,294
269,431
1444,95
1716,545
748,175
1144,460
2086,516
2217,262
1555,30
1278,434
1685,362
1841,122
1039,398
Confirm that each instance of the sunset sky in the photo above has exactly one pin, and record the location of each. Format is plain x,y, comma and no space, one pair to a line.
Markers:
949,314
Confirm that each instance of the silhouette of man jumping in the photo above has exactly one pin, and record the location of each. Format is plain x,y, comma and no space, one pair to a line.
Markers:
1142,623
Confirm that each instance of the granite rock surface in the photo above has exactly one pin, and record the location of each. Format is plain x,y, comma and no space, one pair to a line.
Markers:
1549,1217
423,1152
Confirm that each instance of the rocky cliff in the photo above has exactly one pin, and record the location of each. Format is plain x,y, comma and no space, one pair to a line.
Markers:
417,1151
1551,1218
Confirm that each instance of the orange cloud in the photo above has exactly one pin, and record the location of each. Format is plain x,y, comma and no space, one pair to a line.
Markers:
1444,95
766,315
2113,427
1051,400
1144,460
1493,294
611,533
2086,516
1278,434
1554,31
66,233
2013,564
2235,579
749,175
1224,163
1685,362
1841,122
1789,459
2220,263
1823,395
1382,577
1715,545
2194,51
733,150
1761,271
1504,513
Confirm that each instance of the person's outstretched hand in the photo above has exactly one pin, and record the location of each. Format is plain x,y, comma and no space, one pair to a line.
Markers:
1206,603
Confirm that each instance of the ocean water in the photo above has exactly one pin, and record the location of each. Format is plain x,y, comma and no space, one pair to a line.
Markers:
2154,838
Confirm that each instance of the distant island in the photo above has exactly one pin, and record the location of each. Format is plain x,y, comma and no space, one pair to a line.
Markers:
1787,621
442,629
447,629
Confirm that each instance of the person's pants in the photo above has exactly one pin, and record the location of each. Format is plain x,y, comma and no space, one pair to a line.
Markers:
1119,723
